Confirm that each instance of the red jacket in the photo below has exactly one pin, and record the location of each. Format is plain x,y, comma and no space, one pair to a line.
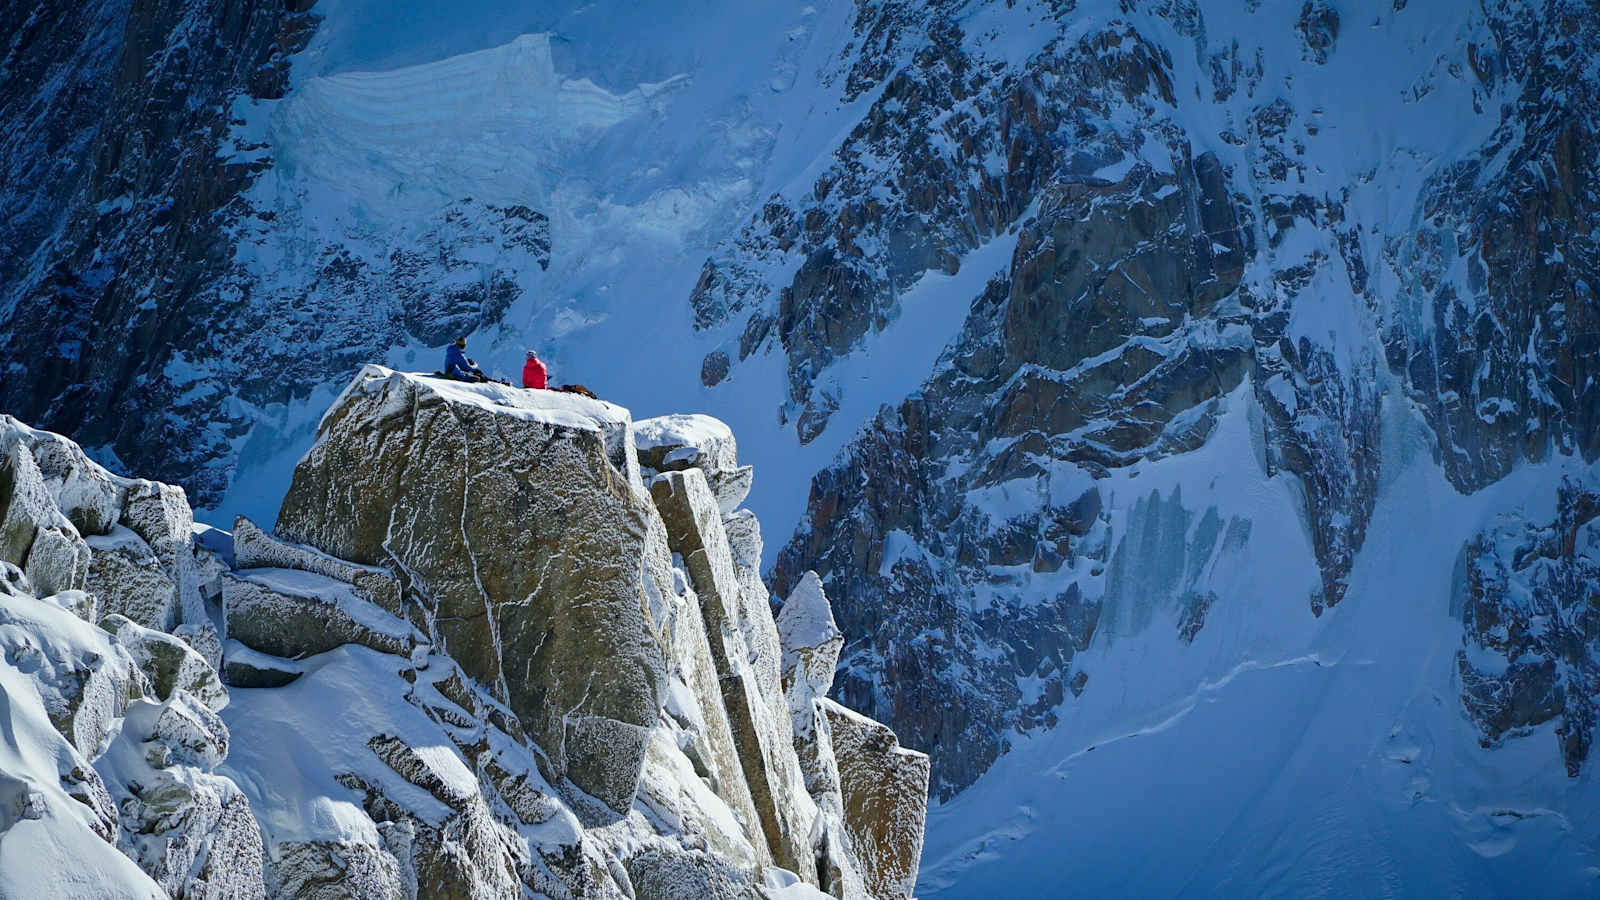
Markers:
534,374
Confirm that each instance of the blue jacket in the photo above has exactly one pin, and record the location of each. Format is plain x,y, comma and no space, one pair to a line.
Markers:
455,362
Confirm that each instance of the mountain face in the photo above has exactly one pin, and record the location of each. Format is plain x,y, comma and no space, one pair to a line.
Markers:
114,204
1210,381
1157,270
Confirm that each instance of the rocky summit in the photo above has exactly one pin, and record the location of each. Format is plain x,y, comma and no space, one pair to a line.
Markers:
499,643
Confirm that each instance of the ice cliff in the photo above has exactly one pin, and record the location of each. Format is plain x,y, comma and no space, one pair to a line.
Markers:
499,643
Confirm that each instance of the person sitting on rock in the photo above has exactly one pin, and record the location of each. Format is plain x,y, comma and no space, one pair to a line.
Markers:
534,373
457,366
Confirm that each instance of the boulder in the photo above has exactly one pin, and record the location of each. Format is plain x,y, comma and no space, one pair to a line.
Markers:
159,514
88,495
885,791
26,506
190,830
181,730
255,549
130,580
203,637
684,441
246,668
289,613
168,662
58,561
519,520
745,651
337,870
83,678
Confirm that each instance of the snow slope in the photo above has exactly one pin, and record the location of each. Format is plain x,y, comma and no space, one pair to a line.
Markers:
1280,755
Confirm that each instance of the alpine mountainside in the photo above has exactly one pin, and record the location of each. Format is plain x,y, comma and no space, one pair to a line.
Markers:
498,658
1188,408
1160,276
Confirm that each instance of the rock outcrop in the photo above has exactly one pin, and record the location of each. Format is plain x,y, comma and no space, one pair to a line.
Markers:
519,667
1528,594
746,667
113,733
488,661
885,789
522,532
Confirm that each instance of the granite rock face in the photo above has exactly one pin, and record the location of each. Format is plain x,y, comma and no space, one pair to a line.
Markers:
884,787
763,739
528,541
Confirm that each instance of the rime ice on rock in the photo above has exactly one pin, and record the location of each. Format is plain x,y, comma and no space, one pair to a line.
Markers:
113,730
811,639
684,441
885,790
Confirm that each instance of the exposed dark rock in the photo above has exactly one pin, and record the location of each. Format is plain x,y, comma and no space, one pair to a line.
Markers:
126,177
1530,608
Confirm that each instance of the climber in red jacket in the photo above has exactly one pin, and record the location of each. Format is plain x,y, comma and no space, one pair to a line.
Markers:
534,374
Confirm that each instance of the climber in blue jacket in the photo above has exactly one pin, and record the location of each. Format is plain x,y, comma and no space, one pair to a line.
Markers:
457,366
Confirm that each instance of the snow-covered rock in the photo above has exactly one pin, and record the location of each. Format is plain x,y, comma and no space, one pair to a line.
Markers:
885,790
694,440
451,484
811,642
434,745
89,496
390,731
169,662
745,647
1528,594
34,534
288,613
130,581
132,708
255,549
